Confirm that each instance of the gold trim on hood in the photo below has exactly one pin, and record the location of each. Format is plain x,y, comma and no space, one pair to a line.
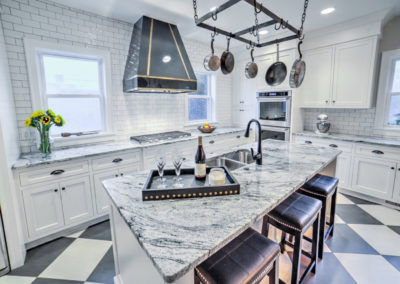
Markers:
179,51
164,78
150,40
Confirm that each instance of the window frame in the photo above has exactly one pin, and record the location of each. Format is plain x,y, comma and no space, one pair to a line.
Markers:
34,51
210,97
385,94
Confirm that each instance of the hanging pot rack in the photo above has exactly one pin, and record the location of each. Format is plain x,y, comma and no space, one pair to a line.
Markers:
258,7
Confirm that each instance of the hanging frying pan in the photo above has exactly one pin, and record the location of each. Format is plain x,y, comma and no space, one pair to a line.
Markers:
227,60
276,73
211,62
251,67
298,70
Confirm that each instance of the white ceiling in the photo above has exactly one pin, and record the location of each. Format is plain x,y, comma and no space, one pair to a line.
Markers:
180,12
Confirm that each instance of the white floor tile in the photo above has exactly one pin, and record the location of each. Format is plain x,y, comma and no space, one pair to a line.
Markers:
11,279
385,215
380,237
78,261
367,268
76,235
339,220
341,199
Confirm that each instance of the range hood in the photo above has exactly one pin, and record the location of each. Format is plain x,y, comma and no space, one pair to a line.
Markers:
157,60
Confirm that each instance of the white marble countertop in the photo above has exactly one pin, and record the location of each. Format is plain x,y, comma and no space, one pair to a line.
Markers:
353,138
71,153
177,235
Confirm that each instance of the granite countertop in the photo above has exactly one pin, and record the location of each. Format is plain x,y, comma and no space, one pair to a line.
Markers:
177,235
71,153
353,138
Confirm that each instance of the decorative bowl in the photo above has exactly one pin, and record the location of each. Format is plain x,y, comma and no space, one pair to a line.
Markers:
206,130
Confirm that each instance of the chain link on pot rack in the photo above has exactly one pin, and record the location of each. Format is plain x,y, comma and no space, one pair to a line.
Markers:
303,19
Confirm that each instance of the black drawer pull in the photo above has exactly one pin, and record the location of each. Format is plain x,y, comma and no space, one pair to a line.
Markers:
117,160
308,142
378,152
392,168
238,136
63,188
57,172
56,190
333,145
212,142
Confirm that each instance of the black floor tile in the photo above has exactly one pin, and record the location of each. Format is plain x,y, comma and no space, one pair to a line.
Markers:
395,228
104,271
330,271
358,200
55,281
345,240
38,258
394,260
352,214
98,232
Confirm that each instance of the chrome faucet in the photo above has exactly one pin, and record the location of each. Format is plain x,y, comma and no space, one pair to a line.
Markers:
258,156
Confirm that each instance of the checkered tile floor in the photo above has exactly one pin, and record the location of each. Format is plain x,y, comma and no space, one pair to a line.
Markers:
365,249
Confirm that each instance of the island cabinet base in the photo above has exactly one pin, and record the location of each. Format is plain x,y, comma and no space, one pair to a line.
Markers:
132,264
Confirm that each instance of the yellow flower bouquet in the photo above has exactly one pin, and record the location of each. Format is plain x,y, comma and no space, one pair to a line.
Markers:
43,121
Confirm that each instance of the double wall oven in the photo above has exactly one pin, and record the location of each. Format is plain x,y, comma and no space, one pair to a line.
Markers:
274,114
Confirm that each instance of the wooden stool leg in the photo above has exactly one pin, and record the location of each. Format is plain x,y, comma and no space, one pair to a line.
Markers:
274,273
316,243
333,212
322,223
265,226
296,258
196,279
283,241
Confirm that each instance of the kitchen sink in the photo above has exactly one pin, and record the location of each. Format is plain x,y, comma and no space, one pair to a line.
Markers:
232,160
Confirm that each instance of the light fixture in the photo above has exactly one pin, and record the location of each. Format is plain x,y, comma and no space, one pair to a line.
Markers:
166,59
327,11
263,32
213,8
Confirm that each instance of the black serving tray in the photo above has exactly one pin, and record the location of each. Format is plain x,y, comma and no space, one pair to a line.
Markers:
192,188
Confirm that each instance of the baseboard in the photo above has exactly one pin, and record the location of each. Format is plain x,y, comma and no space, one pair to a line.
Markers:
386,203
117,279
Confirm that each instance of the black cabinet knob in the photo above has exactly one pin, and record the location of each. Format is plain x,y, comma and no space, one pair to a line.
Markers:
56,190
392,168
116,175
122,174
238,136
63,188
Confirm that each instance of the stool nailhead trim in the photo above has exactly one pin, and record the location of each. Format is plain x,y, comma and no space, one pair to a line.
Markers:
202,277
313,193
263,273
284,224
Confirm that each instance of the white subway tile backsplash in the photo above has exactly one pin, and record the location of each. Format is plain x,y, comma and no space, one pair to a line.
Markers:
131,113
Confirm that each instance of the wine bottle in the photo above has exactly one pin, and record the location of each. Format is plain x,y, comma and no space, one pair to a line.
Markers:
200,160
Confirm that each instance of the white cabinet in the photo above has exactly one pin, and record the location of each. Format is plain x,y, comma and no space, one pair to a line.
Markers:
374,177
396,191
340,76
316,89
102,199
354,70
43,209
343,170
76,200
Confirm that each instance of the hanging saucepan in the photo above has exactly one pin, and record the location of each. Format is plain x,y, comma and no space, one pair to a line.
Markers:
227,60
251,67
212,62
298,70
276,73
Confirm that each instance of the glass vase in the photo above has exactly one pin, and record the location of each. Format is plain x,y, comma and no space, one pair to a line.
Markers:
45,145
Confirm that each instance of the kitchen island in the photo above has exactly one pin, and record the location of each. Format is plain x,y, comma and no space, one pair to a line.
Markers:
162,241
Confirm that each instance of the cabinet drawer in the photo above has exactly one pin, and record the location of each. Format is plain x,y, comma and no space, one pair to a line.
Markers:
378,152
115,160
53,173
346,147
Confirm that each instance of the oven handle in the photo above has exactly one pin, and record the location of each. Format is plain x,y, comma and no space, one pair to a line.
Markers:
272,99
277,129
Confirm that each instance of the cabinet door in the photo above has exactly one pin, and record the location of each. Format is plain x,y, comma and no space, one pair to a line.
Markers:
129,170
43,209
353,78
374,177
316,89
396,191
76,200
102,199
343,170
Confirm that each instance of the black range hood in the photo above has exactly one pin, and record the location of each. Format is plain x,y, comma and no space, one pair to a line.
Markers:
157,60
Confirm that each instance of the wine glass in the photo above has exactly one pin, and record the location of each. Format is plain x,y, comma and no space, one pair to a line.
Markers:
178,160
160,167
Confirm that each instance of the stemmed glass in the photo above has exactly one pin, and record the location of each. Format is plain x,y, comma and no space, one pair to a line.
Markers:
160,167
178,160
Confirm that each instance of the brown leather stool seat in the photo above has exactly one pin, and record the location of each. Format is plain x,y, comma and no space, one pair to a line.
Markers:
294,216
246,259
323,188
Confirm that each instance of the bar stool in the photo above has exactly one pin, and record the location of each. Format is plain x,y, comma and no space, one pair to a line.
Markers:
246,259
295,215
323,188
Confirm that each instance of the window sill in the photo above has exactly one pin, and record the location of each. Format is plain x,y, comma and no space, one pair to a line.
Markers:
61,142
199,123
395,133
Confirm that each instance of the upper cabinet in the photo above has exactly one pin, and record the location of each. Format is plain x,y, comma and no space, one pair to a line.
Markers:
340,76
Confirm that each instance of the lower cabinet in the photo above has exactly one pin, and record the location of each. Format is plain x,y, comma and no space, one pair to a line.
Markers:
43,209
343,170
76,199
102,203
374,177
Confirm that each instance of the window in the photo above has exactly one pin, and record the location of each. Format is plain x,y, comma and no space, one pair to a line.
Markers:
199,104
72,82
388,104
